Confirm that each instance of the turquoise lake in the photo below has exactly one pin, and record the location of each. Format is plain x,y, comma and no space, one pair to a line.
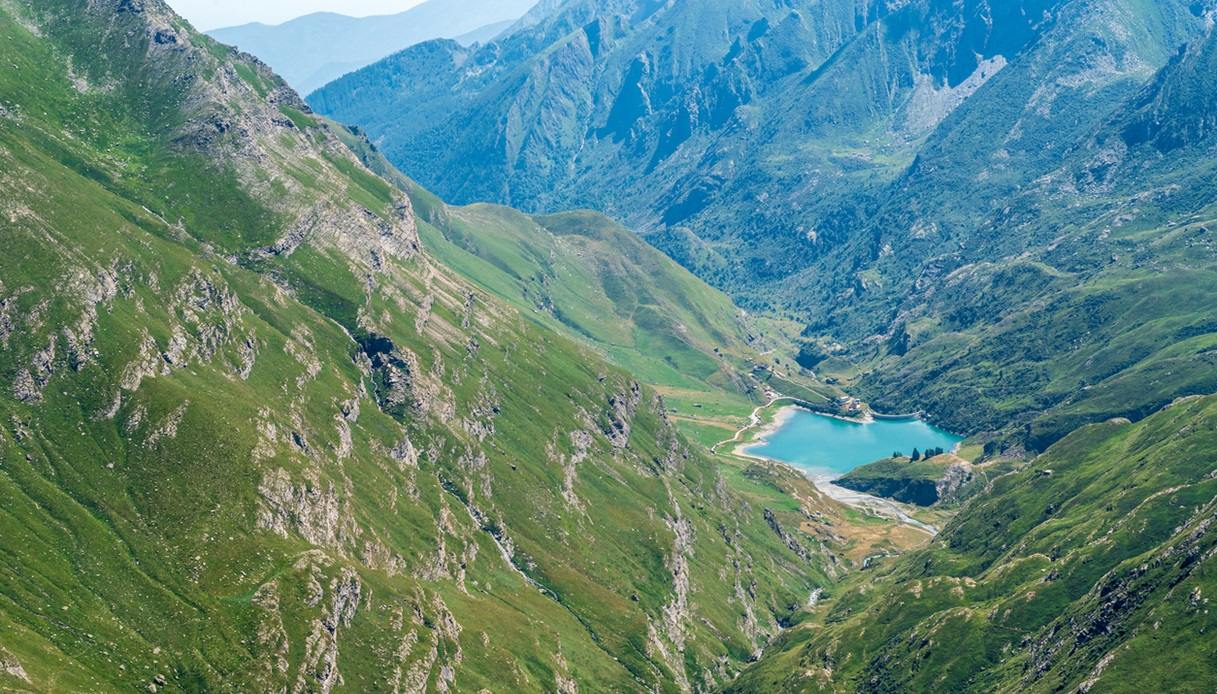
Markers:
830,446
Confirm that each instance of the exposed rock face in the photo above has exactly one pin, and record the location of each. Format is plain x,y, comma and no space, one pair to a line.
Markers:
168,427
668,640
676,613
367,236
922,492
1121,594
272,635
312,509
30,382
319,666
956,477
581,442
790,540
932,101
10,666
8,307
923,484
565,685
393,374
482,413
622,407
405,454
237,136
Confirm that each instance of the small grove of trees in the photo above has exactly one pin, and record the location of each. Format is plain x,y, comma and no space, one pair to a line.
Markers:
810,356
918,455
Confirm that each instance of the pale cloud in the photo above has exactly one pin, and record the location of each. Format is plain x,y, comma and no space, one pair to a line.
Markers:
212,14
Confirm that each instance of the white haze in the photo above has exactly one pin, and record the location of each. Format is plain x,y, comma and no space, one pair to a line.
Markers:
206,15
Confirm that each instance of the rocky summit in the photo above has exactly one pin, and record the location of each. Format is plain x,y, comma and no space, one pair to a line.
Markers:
455,377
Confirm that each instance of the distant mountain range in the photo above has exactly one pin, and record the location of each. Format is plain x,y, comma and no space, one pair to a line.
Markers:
312,50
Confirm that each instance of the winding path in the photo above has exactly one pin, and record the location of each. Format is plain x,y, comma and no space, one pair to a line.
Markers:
753,420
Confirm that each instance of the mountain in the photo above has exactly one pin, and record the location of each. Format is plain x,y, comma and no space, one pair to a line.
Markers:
889,173
312,50
591,91
482,34
275,417
1093,305
999,214
254,435
742,137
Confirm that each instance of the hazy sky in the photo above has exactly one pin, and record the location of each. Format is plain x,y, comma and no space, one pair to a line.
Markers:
212,14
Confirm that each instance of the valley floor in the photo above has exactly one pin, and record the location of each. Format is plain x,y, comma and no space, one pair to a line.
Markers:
769,417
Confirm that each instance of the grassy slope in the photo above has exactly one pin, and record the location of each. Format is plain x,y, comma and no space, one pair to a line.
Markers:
199,484
1089,565
582,273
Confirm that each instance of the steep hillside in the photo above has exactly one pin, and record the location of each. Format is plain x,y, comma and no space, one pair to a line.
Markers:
275,418
1101,307
312,50
1092,570
581,272
253,436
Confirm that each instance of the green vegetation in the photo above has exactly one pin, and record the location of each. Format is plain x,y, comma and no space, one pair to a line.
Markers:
912,481
276,418
252,78
299,118
253,436
582,274
1091,567
1016,310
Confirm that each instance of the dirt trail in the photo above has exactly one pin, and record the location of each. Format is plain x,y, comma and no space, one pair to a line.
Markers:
754,419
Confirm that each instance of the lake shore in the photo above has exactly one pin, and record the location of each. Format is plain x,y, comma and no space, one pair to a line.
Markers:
823,481
860,500
780,418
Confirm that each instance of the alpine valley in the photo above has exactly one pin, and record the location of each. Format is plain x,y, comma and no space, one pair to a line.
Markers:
446,378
